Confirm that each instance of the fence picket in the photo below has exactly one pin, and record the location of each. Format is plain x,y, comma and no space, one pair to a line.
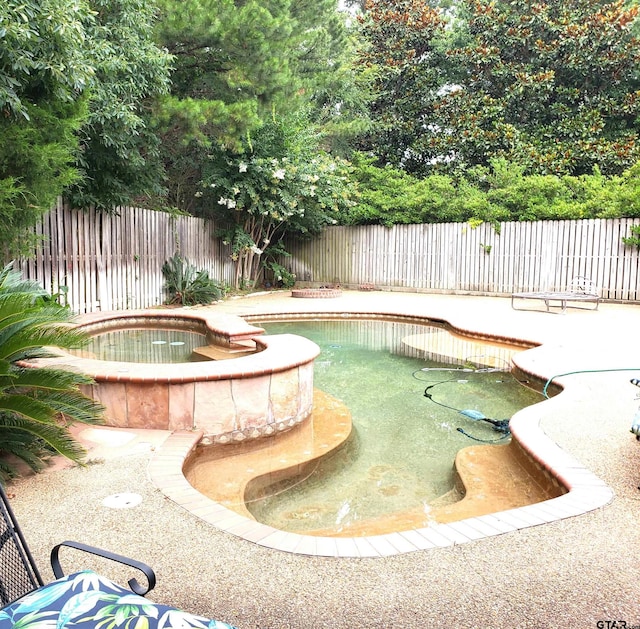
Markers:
113,261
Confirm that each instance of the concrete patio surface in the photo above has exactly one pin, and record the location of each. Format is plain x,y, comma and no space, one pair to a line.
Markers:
573,572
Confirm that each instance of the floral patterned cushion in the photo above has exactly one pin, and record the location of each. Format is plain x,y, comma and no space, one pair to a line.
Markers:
85,600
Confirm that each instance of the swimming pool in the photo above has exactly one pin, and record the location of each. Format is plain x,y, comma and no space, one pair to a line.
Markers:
573,489
399,457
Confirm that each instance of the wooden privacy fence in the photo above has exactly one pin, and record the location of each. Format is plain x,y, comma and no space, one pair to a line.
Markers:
455,257
114,261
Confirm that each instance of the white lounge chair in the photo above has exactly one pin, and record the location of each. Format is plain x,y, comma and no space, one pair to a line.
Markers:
581,290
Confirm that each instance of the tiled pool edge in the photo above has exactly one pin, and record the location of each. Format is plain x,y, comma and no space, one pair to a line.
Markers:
586,492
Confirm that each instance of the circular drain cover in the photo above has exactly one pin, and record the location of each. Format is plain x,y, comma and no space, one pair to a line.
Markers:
122,501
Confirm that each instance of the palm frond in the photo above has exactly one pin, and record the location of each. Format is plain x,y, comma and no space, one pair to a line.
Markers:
56,437
23,445
28,408
12,282
43,378
73,404
33,340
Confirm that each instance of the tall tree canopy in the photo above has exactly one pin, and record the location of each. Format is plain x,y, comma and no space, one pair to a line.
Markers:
236,63
119,160
401,57
43,74
551,85
76,79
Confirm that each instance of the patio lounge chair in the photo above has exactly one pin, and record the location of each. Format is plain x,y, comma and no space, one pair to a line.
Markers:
83,600
581,290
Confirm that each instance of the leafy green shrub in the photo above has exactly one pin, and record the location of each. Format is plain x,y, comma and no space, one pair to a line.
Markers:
495,193
634,239
276,274
282,277
187,286
389,196
628,192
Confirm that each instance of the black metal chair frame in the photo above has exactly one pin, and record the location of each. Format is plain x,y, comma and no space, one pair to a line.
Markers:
19,574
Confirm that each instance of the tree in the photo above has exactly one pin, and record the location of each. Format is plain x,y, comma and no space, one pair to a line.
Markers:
119,160
341,104
236,64
280,183
43,75
550,85
405,66
37,405
76,81
229,67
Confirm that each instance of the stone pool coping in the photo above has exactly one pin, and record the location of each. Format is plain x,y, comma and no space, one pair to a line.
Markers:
276,353
256,393
585,492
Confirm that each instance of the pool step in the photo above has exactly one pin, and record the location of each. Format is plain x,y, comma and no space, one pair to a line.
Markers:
224,352
224,473
491,478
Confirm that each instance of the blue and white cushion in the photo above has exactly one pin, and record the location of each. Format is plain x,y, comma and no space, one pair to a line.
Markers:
86,600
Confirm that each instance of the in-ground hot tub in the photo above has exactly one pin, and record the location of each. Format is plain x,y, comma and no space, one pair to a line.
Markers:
267,389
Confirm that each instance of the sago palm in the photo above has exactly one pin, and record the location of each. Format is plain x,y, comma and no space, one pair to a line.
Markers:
37,405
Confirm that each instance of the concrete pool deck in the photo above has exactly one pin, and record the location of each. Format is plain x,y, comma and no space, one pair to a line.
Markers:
571,572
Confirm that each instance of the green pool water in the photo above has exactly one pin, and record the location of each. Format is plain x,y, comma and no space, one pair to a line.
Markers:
401,452
144,345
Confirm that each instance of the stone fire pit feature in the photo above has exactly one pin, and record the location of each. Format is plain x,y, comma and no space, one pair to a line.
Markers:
316,293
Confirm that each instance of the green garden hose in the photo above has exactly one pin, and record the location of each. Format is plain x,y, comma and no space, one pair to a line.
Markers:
570,373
